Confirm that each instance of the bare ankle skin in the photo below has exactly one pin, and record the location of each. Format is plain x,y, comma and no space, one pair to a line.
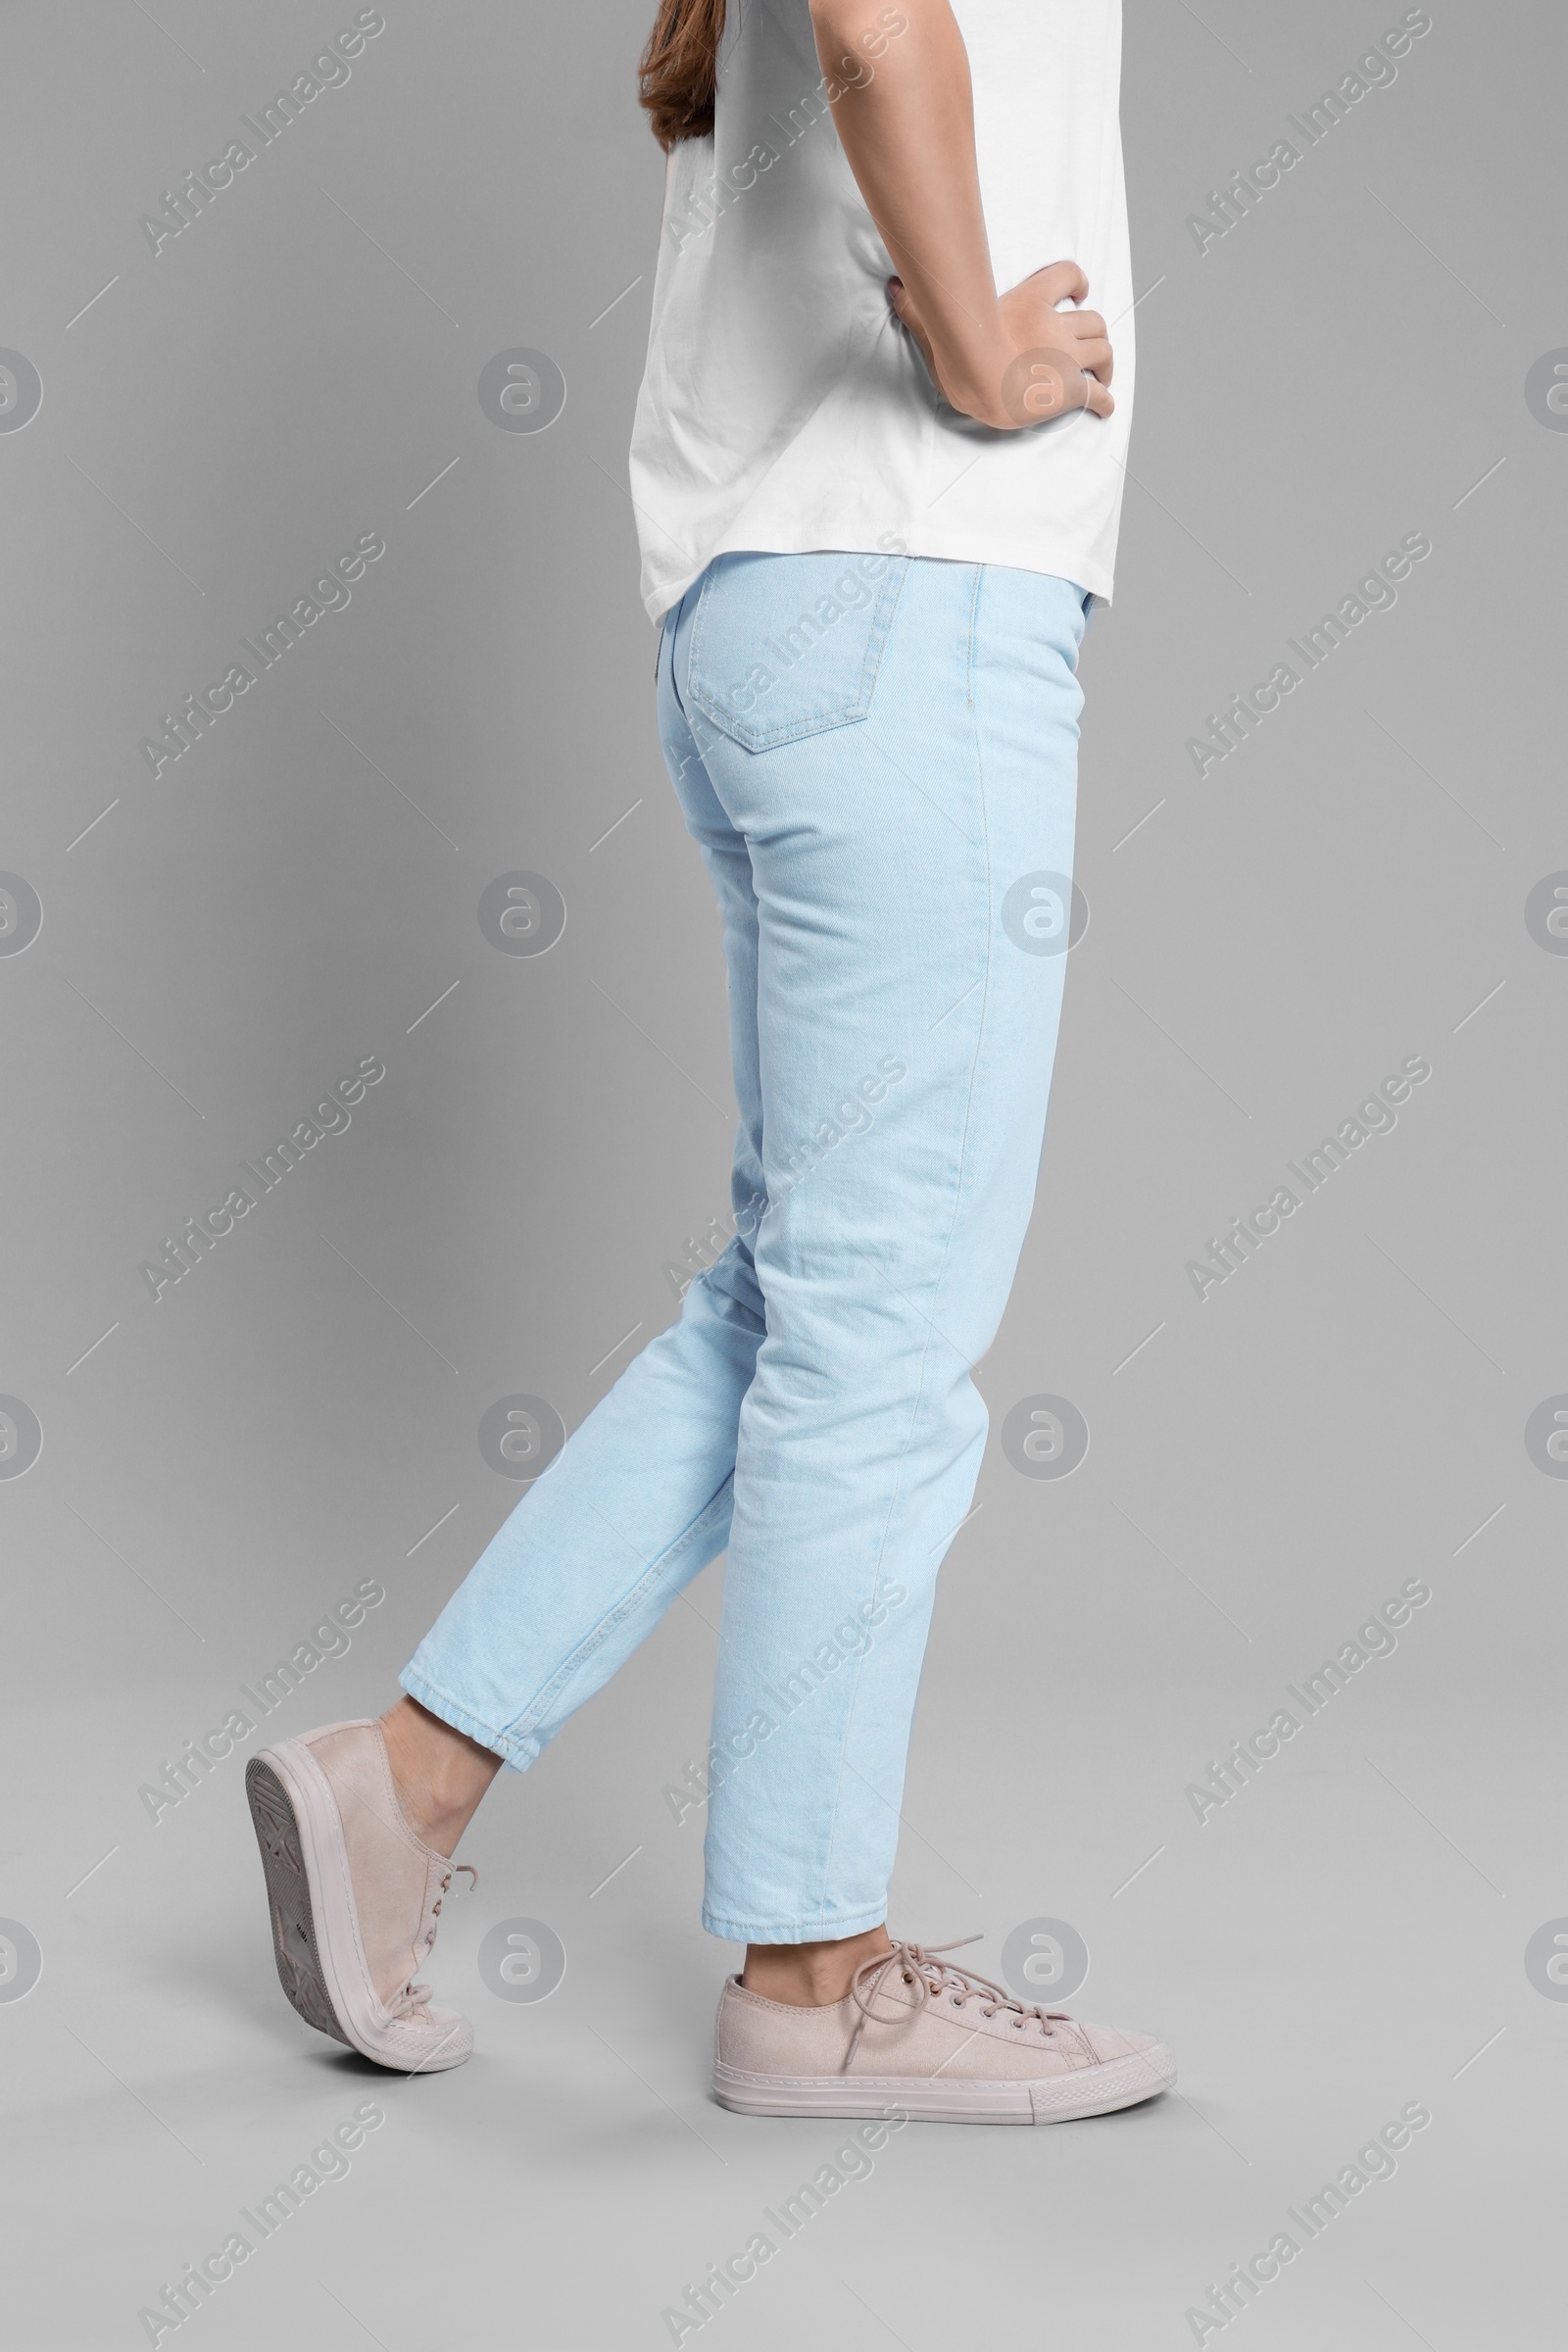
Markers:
811,1975
440,1774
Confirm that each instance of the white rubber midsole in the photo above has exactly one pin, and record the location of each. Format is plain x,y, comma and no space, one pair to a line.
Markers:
1044,2100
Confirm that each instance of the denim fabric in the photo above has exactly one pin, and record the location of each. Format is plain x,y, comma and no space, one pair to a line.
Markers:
877,758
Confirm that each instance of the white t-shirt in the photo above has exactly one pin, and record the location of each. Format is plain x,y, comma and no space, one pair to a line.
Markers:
783,409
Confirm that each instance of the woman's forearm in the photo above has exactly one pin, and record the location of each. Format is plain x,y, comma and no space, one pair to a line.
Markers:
904,112
907,126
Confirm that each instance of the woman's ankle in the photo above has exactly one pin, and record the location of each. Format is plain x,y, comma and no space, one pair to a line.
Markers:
439,1773
811,1975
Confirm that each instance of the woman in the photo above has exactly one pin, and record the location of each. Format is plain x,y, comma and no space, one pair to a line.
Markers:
873,509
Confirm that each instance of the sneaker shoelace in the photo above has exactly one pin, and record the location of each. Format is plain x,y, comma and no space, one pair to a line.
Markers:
939,1979
415,1998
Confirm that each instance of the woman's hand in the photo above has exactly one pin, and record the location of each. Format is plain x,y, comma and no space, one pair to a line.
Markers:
1028,361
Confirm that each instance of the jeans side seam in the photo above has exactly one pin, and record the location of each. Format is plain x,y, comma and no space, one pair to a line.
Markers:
957,1198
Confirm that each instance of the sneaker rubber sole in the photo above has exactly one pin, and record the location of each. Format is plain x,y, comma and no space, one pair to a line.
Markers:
288,1900
316,1942
1044,2100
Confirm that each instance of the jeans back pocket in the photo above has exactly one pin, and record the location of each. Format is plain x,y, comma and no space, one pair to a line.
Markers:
786,646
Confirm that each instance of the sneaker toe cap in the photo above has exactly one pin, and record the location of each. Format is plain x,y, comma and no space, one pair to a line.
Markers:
427,2044
1115,2042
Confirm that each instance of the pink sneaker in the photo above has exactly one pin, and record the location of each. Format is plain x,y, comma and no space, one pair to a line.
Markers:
354,1896
919,2037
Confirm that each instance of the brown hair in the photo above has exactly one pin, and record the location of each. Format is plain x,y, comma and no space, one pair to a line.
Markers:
678,71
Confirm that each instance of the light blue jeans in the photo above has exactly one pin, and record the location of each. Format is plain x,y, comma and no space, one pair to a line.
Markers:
877,757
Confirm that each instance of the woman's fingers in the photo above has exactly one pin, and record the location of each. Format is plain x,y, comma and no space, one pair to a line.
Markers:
1095,358
1079,334
901,304
1049,382
1060,281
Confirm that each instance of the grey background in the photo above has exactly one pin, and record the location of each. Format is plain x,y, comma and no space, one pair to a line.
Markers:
295,369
